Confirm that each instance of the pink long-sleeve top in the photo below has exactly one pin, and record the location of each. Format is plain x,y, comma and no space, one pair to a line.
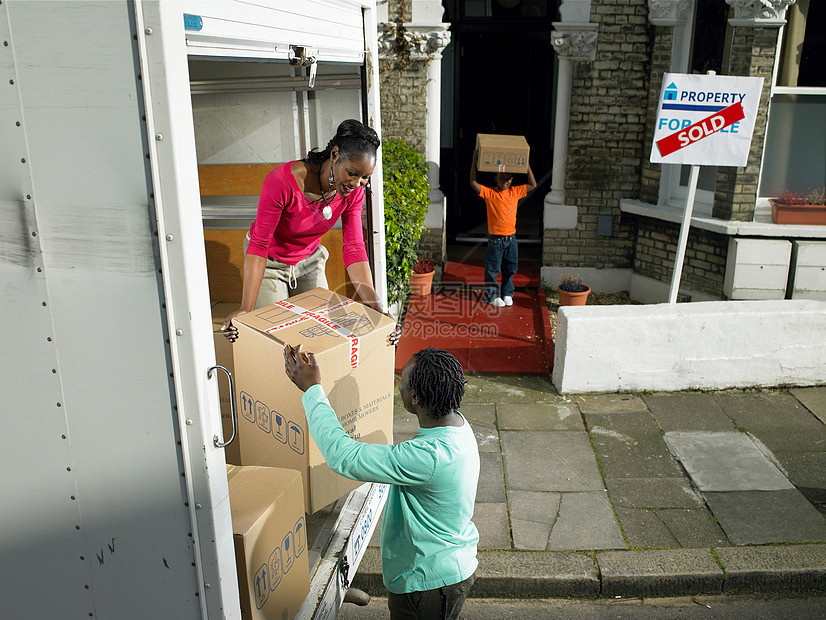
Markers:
288,226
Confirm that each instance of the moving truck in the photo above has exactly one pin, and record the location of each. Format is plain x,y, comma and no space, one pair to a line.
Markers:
113,114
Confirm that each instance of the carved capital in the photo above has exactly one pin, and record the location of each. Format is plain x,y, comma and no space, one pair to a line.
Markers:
757,13
420,43
669,12
575,41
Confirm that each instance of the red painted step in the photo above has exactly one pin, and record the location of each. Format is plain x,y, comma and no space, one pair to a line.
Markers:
511,340
471,272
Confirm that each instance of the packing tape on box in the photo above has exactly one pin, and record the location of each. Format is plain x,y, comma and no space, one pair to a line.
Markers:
320,317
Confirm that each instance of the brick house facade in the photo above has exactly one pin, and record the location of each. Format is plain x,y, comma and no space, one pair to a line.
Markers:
610,214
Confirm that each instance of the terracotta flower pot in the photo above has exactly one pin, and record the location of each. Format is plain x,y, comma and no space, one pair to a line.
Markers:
804,215
421,283
567,298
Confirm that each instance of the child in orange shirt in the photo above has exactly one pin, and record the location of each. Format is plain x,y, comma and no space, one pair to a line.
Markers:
502,253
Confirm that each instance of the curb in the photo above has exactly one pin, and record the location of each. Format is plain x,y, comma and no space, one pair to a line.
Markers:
615,574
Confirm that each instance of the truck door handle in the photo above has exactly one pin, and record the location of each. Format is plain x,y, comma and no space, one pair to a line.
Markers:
216,439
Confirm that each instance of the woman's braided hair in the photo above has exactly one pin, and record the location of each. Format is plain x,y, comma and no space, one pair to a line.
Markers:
438,381
354,140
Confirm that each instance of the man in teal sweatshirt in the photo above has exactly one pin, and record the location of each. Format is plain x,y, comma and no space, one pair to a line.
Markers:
428,542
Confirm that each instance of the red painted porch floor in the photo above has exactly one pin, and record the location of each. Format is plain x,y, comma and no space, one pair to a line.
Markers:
511,340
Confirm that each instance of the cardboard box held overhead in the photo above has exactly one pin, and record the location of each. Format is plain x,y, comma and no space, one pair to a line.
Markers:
501,153
223,357
350,342
270,537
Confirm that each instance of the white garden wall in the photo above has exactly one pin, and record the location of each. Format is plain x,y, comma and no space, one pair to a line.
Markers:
705,345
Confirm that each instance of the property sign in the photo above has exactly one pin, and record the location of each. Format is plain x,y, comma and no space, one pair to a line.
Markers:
705,119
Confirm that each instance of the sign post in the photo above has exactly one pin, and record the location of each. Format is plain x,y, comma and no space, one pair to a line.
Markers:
703,120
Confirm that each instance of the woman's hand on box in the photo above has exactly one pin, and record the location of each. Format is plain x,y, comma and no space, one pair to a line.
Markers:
301,368
230,331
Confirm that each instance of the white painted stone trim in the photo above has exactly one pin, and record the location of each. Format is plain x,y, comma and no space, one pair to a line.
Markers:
759,13
708,345
669,12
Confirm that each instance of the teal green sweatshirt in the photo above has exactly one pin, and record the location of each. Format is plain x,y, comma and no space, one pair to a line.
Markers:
427,537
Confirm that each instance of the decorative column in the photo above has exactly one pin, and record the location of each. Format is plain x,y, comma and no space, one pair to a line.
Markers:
754,41
427,43
411,53
572,41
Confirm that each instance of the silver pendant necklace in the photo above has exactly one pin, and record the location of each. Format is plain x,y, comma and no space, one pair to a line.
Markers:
327,211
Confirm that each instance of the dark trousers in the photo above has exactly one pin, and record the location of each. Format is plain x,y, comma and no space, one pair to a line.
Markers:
502,255
443,603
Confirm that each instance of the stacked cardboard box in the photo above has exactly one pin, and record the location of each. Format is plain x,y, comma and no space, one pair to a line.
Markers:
502,153
350,342
270,536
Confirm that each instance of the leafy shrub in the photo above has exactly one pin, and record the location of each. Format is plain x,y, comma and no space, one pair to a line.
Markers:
405,205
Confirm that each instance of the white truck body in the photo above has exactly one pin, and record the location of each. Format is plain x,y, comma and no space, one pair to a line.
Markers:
113,491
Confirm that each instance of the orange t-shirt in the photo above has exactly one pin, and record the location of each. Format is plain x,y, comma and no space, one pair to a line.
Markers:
502,208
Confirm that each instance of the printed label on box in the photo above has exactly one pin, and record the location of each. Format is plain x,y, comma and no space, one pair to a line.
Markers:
268,576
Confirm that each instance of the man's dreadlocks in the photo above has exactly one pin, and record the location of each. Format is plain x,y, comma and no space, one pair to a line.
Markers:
438,381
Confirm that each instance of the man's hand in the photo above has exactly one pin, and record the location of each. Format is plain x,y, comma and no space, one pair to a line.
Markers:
301,368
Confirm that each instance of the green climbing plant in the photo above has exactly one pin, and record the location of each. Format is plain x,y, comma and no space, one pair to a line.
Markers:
405,205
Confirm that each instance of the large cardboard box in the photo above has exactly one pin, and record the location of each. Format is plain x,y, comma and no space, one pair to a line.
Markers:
350,342
502,153
223,357
270,536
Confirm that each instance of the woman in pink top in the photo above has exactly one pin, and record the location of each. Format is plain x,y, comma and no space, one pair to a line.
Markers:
300,201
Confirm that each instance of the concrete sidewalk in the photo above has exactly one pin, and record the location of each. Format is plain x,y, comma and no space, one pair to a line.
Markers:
642,494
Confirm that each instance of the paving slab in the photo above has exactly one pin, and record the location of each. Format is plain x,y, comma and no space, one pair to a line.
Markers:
530,574
729,461
509,389
644,529
630,445
539,417
610,403
794,568
763,517
492,522
586,521
550,461
403,420
491,486
479,414
814,399
532,514
653,493
659,572
693,528
776,418
688,411
807,471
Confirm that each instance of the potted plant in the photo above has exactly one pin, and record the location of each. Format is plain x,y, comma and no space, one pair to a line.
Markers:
421,278
572,292
406,198
798,208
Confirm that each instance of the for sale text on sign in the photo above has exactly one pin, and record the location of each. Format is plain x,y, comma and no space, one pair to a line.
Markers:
705,119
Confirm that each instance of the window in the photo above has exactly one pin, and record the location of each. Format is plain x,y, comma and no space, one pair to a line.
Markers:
794,156
699,48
